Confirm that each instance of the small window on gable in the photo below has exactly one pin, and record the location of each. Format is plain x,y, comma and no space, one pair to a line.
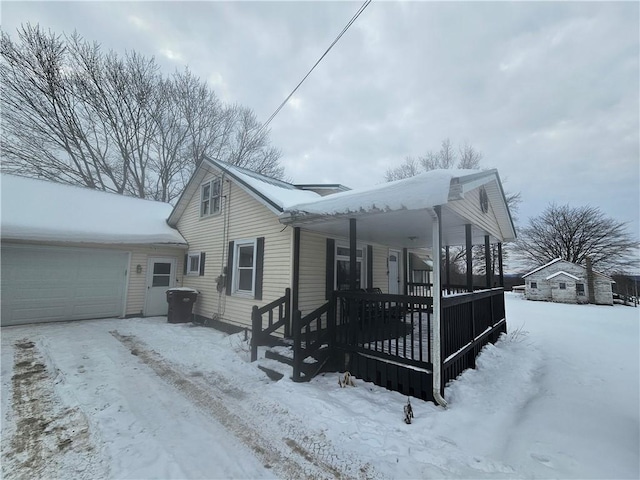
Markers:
210,197
563,286
534,284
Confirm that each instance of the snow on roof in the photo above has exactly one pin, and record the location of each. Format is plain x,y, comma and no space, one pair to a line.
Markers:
422,191
561,273
47,211
543,266
281,193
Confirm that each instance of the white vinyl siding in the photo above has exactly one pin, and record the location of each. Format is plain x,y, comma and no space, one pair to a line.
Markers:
313,252
249,219
469,208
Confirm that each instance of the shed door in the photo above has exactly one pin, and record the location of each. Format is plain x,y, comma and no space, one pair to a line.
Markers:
50,284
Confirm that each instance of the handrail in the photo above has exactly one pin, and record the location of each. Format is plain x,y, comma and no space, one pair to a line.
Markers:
258,334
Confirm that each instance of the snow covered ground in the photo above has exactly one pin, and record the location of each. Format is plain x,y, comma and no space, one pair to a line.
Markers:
556,398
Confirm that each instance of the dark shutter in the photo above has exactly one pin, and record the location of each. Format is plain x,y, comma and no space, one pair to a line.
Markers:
186,261
229,272
369,266
257,293
330,267
202,257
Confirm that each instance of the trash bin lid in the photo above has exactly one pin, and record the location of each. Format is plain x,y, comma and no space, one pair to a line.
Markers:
183,289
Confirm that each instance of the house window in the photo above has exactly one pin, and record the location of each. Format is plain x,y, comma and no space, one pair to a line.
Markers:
210,197
534,284
244,267
194,263
343,268
580,289
563,286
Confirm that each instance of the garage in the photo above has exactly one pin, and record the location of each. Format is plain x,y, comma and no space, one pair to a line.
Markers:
48,284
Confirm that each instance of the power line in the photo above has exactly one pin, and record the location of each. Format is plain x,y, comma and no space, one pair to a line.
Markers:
353,19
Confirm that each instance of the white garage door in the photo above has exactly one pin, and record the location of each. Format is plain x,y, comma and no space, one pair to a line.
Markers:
49,284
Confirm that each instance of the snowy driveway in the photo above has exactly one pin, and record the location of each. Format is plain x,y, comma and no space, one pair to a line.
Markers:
141,398
92,400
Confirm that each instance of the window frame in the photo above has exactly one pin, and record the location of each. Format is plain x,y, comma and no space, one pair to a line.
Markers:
533,285
361,259
211,198
580,290
189,270
562,285
237,245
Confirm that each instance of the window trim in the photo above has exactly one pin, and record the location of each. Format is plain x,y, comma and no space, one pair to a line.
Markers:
211,198
562,285
580,290
362,259
533,285
191,255
235,289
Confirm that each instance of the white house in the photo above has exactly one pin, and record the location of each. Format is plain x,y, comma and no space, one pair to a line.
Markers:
566,282
71,253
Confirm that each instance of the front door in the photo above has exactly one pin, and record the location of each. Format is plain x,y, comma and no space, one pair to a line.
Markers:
394,272
160,277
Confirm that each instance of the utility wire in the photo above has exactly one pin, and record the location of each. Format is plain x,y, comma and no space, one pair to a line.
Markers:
353,19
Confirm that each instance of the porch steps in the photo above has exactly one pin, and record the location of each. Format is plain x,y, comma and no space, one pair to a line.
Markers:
278,362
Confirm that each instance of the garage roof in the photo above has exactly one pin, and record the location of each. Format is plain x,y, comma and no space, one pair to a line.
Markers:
39,210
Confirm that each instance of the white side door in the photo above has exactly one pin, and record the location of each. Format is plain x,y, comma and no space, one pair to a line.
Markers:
160,277
394,272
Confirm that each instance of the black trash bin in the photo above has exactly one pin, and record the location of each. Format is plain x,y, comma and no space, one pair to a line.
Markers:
180,302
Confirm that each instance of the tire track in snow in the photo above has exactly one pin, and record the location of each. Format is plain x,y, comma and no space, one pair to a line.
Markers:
313,456
48,437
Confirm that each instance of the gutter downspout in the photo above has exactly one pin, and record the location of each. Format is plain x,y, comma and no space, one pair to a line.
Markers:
436,354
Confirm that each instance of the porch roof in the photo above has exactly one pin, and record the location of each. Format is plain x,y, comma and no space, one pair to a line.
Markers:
400,213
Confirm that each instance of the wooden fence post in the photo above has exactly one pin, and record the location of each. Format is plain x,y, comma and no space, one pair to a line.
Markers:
256,329
297,345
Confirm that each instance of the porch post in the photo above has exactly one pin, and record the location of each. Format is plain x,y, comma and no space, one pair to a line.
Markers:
500,269
352,254
447,279
436,351
467,235
405,271
487,260
296,270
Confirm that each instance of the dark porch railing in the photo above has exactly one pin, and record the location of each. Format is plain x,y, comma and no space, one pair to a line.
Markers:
469,322
388,339
260,335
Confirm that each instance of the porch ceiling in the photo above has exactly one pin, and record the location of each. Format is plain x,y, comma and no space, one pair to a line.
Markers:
399,228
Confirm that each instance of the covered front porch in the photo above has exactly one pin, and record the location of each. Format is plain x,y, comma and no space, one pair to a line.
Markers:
416,339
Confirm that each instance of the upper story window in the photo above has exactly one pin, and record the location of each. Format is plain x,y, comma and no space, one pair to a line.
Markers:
210,193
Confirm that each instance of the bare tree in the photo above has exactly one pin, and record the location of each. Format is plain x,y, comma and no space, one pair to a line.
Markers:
410,168
75,114
575,233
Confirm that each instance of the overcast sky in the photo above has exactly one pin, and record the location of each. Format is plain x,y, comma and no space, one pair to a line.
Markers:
548,92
